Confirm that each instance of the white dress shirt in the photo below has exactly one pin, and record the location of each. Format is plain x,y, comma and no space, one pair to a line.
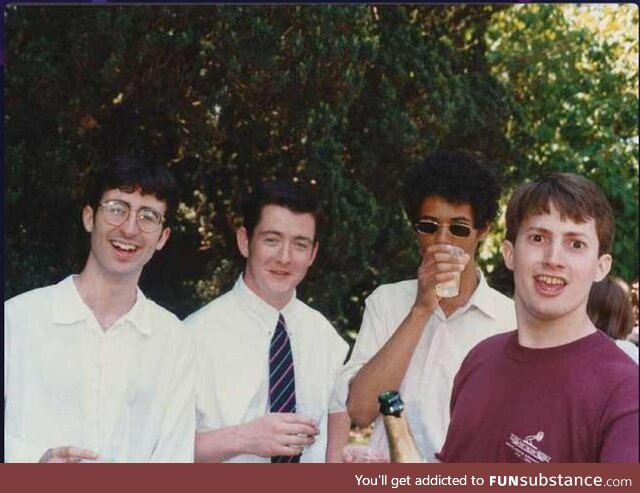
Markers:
127,393
233,334
427,385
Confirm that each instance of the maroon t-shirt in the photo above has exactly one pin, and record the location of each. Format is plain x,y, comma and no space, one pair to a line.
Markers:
572,403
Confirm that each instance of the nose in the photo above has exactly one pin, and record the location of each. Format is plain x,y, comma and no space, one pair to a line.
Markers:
553,254
130,226
284,255
442,234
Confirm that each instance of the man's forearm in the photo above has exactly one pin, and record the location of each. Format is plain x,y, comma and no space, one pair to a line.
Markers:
338,427
387,368
220,444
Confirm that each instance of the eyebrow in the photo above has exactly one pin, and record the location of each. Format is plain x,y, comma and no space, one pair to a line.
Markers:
279,234
549,232
453,219
141,208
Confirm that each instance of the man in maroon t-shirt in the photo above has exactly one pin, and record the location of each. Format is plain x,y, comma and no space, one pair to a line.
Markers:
555,390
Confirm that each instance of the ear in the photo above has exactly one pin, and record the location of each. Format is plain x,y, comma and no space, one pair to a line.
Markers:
87,218
603,267
507,254
242,239
164,236
314,253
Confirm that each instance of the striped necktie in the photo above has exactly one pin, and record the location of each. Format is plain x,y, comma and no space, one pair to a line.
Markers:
282,386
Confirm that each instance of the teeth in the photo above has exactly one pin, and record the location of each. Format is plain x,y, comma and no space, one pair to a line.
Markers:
551,280
123,246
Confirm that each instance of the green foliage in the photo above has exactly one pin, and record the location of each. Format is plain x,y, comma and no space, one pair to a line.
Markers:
574,109
345,95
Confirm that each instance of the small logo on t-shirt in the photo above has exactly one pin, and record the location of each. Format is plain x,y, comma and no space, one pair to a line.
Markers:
526,449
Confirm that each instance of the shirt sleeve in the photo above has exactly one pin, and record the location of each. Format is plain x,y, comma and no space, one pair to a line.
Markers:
620,424
16,448
177,431
7,341
373,334
338,350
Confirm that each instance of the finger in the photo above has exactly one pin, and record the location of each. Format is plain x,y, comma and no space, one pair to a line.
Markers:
284,450
368,454
449,267
439,248
297,419
301,429
296,449
300,440
81,453
378,459
444,257
445,276
430,276
58,454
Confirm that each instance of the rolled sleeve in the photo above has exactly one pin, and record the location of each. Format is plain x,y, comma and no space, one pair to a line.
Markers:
371,338
338,398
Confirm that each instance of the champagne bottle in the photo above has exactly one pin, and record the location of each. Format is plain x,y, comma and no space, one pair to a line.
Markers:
402,448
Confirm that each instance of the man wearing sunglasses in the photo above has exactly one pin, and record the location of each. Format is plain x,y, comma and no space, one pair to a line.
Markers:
411,339
93,369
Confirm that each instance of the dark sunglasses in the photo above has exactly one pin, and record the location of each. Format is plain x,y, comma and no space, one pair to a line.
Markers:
426,227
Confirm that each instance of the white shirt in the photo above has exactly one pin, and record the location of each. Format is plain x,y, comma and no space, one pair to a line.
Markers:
233,334
426,388
127,393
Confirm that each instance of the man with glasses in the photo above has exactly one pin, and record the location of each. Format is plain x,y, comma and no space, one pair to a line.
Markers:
411,338
95,371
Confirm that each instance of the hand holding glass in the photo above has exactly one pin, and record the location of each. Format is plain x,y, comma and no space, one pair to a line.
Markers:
451,288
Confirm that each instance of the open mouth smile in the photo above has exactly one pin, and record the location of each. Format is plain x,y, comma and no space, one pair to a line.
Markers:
549,285
124,248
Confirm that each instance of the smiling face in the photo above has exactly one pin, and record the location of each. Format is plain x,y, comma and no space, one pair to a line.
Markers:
555,261
120,252
278,254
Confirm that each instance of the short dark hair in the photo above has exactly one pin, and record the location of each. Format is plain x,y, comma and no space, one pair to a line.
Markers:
291,195
459,177
573,195
129,173
609,307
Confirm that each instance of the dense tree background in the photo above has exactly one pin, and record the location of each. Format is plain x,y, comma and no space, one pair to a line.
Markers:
346,96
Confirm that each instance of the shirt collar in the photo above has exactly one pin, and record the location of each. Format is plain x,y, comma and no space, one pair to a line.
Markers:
483,297
69,308
265,314
138,316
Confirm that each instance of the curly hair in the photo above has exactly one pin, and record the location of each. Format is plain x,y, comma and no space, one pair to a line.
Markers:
130,173
459,178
